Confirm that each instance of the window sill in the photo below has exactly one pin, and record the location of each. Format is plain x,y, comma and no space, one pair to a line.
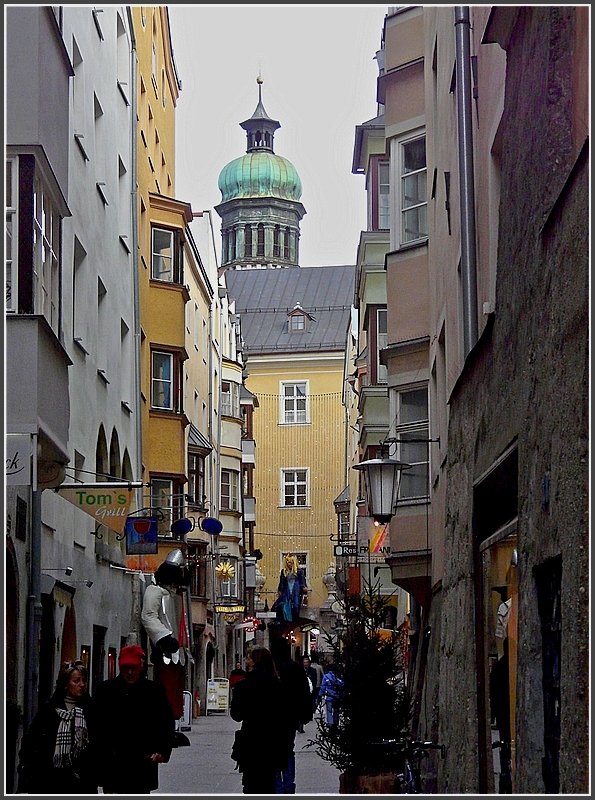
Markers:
79,343
101,192
78,137
123,92
403,248
413,501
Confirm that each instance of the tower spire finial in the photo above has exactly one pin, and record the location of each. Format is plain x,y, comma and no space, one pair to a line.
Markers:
259,81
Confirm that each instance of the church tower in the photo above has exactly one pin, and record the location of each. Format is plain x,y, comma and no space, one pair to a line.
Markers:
260,209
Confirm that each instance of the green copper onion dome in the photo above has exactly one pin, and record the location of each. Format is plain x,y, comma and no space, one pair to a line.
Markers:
260,173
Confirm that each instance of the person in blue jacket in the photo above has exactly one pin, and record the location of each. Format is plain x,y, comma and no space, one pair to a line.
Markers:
330,690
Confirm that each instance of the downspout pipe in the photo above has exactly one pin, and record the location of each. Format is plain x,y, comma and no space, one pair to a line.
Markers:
135,272
34,607
466,176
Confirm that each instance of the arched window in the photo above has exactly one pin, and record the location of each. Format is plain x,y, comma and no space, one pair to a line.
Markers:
114,456
101,456
286,244
248,241
276,245
260,241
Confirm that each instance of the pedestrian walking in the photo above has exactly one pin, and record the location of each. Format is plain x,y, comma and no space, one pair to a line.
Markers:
57,755
260,747
319,670
237,674
311,675
297,704
135,727
330,691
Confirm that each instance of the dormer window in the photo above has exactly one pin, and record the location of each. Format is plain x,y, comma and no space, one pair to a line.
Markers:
297,322
297,319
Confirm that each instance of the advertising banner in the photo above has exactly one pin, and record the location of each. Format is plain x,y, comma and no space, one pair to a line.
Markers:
108,506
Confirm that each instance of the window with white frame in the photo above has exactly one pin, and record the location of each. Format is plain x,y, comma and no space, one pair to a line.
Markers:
12,238
166,381
230,399
162,380
383,196
297,322
381,342
294,403
165,501
413,222
162,259
230,496
229,588
294,487
412,434
46,255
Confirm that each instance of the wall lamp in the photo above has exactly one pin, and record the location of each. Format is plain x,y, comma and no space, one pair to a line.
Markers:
382,477
65,570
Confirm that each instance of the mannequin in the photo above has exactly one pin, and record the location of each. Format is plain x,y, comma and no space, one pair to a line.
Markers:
290,591
161,616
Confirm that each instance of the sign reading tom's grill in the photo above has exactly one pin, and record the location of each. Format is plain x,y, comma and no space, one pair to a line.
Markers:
108,504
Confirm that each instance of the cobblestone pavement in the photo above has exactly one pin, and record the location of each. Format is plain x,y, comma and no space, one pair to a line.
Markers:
206,766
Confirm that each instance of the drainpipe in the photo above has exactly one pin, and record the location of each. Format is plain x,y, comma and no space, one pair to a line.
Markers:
466,177
34,608
135,273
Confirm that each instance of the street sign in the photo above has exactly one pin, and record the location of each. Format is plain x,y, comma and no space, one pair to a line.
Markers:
345,549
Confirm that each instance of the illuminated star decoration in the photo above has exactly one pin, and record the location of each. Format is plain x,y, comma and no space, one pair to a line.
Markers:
225,571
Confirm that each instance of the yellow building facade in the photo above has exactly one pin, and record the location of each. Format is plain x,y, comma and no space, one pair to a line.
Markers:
317,447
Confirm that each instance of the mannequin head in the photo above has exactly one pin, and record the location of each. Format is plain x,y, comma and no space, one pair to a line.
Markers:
290,563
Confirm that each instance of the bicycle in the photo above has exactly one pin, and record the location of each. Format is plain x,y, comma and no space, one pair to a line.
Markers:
409,754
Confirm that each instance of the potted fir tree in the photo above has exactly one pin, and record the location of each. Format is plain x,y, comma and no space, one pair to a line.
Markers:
373,702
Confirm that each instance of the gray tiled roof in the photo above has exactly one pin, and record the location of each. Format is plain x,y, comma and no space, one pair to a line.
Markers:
264,297
196,439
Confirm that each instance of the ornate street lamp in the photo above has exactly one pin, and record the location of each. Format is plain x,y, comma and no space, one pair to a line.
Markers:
382,477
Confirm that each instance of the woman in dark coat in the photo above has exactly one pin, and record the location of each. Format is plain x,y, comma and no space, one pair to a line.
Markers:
57,754
257,702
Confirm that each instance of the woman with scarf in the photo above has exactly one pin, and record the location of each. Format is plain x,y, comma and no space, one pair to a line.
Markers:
56,754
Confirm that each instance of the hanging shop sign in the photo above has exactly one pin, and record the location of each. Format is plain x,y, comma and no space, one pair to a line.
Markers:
17,459
107,505
230,609
141,536
248,624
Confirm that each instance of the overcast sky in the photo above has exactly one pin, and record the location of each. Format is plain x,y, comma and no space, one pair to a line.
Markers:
319,72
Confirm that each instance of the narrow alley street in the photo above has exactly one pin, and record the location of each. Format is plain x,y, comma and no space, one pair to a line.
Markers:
206,766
